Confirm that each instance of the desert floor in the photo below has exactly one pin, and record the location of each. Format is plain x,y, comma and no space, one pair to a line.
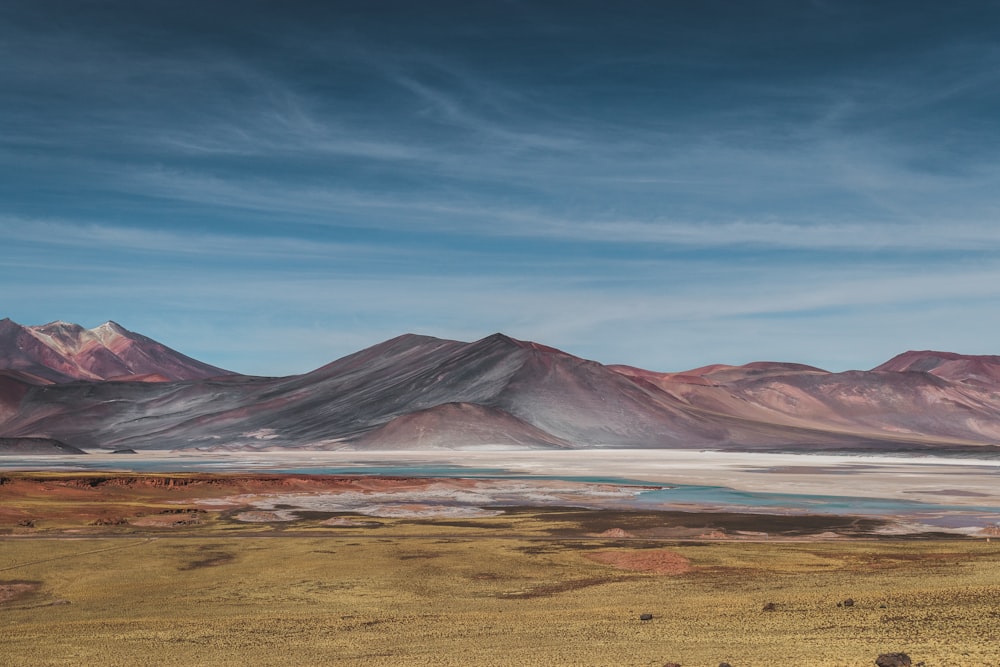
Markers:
116,569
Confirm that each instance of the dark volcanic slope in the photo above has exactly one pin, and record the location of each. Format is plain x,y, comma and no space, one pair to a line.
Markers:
416,391
63,352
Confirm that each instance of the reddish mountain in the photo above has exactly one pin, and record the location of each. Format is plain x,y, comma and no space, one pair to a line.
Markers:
423,392
720,374
967,369
64,352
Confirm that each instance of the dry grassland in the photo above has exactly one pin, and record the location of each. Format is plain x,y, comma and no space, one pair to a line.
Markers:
487,592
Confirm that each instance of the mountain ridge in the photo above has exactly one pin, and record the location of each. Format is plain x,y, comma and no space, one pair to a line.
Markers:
425,392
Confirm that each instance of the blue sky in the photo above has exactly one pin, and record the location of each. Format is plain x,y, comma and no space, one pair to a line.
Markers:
269,186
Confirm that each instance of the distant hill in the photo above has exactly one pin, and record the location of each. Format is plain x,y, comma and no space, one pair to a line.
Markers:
967,369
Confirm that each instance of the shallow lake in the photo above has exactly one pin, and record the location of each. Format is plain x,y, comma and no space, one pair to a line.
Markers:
671,496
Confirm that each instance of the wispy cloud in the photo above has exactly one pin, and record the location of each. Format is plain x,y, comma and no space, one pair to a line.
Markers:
632,185
904,229
177,243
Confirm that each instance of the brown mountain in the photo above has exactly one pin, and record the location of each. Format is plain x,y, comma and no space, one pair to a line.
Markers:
422,392
64,352
976,370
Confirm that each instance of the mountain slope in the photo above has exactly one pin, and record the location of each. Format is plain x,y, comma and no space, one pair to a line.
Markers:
464,425
983,371
865,405
64,352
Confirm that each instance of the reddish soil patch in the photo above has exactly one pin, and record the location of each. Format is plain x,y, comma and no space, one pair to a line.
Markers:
130,486
14,590
86,498
654,561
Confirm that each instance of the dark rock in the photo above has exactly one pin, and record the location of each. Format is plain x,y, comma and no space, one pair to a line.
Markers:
645,617
849,602
724,664
671,664
125,451
26,523
770,606
893,660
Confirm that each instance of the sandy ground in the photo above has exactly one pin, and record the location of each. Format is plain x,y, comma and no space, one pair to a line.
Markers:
952,481
654,561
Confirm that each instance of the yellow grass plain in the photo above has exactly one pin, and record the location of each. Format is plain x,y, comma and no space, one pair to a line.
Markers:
494,591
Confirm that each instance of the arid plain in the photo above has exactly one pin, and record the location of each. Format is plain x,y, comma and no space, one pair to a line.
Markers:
242,568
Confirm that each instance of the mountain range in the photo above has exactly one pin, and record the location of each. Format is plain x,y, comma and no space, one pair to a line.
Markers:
109,388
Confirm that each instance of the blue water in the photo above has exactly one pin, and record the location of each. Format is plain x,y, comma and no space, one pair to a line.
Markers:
724,497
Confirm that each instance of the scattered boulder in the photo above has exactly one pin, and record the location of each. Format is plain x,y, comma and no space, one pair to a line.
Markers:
849,602
770,606
724,664
645,617
893,660
26,523
671,664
